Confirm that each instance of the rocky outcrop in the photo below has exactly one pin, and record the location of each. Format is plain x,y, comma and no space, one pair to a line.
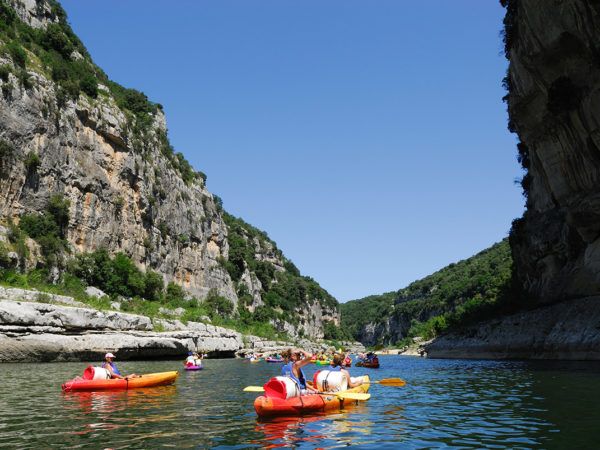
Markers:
37,326
45,332
567,330
108,154
553,96
553,99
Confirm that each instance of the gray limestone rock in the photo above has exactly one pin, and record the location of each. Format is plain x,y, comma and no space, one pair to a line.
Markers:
95,292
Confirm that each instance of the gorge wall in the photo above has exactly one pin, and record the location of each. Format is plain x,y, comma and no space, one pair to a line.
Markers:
553,103
66,129
553,99
552,304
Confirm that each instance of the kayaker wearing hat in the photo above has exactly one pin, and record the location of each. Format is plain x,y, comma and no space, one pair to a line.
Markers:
112,369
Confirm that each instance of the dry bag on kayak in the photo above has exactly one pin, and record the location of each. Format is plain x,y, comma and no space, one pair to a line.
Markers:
281,387
328,381
96,373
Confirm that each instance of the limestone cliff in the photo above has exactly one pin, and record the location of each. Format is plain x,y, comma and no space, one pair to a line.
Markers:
553,103
553,98
66,129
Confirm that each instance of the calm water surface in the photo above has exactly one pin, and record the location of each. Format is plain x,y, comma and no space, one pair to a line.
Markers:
447,403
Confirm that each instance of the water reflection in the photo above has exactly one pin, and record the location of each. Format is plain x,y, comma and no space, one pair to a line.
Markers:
110,410
287,431
325,430
466,404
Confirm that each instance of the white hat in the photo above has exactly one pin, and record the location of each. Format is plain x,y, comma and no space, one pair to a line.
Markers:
109,355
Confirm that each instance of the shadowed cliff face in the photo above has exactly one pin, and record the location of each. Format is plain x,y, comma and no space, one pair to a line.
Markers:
554,107
127,189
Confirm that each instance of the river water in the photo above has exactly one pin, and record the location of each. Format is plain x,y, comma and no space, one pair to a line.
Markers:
446,403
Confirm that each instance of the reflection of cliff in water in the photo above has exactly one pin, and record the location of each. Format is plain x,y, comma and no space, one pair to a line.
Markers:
568,395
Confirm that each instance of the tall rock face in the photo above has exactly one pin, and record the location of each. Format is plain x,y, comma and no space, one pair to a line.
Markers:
66,129
554,106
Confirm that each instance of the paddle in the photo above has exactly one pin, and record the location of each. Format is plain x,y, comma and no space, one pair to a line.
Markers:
391,382
343,395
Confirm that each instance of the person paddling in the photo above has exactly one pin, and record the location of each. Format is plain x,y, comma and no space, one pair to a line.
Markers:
297,374
190,360
336,366
112,369
286,368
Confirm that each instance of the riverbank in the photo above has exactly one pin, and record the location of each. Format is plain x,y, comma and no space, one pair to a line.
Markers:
37,326
567,331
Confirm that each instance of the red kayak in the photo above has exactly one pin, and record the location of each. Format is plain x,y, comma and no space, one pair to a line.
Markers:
305,404
370,364
141,381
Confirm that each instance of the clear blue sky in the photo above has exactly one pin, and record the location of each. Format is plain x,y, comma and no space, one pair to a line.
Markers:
368,138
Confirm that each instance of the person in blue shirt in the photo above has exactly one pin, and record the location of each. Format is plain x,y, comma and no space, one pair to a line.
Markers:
112,369
299,359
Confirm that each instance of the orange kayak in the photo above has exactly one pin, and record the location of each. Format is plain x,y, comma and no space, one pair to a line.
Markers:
142,381
305,404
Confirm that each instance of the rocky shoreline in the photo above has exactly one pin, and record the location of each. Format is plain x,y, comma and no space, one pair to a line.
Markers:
41,327
569,330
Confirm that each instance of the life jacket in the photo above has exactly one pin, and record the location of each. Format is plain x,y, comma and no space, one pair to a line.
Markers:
301,380
330,381
112,366
286,369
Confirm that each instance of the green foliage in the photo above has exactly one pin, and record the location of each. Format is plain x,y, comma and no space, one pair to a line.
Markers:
356,314
175,292
218,306
154,286
4,72
37,225
32,162
334,333
459,294
286,290
116,275
6,153
58,208
89,85
16,52
4,259
48,228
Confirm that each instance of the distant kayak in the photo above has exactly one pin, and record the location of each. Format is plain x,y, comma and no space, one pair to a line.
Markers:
254,360
274,360
142,381
191,368
368,364
319,362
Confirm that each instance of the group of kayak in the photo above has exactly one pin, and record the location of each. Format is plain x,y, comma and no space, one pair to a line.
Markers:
289,393
319,359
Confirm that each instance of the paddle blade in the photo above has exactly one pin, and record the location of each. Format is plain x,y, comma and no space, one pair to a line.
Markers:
392,382
254,389
353,396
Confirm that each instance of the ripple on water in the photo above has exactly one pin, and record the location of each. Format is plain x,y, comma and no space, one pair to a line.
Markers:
462,404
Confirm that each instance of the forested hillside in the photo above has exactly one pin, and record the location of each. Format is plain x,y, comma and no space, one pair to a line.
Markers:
456,295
